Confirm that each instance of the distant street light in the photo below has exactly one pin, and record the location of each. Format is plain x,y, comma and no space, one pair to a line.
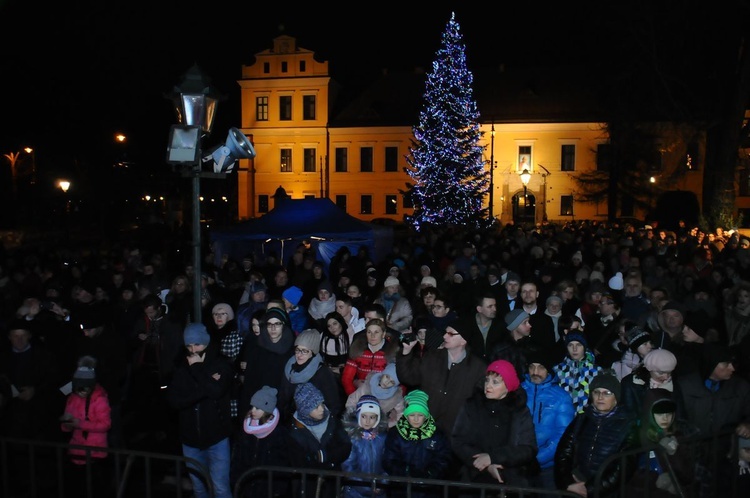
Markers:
29,150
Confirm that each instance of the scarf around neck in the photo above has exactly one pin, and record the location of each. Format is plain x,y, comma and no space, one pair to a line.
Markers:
252,427
406,431
299,374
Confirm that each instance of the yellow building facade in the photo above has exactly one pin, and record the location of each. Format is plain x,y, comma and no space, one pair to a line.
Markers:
287,99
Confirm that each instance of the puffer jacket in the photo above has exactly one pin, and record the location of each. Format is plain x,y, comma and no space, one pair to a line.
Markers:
93,426
362,361
400,316
552,411
588,441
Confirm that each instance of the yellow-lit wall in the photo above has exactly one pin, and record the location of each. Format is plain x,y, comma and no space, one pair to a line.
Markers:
262,175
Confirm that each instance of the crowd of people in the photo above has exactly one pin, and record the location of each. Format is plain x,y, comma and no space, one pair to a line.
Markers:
517,356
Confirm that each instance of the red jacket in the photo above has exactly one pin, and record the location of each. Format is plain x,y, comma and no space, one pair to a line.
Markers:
362,361
92,430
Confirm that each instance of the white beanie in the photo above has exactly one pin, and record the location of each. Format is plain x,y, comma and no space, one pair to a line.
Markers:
429,281
391,281
616,282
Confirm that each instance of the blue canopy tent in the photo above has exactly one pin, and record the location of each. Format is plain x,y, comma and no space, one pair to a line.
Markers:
319,221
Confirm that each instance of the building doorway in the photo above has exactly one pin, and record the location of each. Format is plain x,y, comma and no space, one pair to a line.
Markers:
524,208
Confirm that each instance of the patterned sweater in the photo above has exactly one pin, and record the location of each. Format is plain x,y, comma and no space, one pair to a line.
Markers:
575,376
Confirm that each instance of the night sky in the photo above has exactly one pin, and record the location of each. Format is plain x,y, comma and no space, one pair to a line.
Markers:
74,73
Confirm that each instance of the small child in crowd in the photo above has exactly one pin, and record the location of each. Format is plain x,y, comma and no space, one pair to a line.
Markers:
316,440
88,416
263,443
367,430
415,447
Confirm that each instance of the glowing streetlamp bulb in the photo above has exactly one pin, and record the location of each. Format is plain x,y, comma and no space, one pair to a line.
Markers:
64,185
525,177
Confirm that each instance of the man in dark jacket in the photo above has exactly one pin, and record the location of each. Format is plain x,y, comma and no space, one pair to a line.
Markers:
483,327
717,402
200,393
600,431
448,375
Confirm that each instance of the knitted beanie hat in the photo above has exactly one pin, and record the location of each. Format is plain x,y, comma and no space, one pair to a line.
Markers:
416,402
616,282
636,337
265,399
325,285
196,333
224,308
429,281
391,281
575,336
514,318
307,397
459,326
277,313
309,339
542,357
85,374
293,294
712,355
606,381
505,370
660,360
368,404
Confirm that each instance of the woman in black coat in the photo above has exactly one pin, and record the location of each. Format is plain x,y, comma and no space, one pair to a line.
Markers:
494,434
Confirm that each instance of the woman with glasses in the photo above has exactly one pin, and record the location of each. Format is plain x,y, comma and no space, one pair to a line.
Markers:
603,429
264,363
223,329
307,366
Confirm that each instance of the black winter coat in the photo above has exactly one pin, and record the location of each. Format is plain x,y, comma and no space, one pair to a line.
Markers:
588,441
503,429
202,399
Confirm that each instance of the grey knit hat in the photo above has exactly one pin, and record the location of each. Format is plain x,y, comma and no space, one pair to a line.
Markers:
514,318
265,399
309,339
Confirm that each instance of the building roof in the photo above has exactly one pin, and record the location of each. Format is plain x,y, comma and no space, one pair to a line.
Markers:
529,95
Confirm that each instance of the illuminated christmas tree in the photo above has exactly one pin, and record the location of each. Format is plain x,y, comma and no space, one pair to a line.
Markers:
445,159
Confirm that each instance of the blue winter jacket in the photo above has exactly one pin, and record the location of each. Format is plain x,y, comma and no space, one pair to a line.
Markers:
552,411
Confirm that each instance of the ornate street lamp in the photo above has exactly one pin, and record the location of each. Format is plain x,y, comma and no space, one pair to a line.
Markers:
525,177
195,102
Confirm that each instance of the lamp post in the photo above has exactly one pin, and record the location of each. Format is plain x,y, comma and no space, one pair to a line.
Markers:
544,196
492,171
195,103
525,177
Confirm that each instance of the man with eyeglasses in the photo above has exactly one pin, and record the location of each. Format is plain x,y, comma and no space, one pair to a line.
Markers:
603,429
265,362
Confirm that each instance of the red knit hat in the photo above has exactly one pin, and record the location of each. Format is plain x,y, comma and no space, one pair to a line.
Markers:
505,370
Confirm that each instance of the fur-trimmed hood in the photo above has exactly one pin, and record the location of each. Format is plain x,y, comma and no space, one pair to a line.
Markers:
359,344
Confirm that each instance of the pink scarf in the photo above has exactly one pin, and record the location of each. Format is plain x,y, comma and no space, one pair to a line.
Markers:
252,427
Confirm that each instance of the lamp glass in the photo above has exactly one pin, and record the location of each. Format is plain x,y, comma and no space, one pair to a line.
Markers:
198,109
525,177
184,144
